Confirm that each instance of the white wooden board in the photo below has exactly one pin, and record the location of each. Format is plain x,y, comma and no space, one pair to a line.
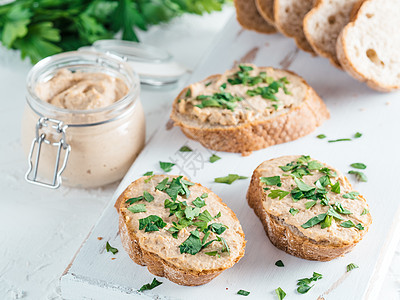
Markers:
353,107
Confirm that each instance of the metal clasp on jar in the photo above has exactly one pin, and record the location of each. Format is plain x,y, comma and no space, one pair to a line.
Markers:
59,128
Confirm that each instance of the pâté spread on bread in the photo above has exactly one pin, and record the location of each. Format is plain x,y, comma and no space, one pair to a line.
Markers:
248,108
178,229
308,208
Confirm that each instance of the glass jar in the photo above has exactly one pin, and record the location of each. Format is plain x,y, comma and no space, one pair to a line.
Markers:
92,147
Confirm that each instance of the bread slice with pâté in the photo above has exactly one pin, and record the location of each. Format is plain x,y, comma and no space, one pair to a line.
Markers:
288,15
368,46
323,24
249,17
248,108
178,229
308,208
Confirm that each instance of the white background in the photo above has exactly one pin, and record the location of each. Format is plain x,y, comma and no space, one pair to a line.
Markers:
40,230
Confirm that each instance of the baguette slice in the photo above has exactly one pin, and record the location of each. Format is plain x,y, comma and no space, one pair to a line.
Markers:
284,226
288,15
254,123
159,250
266,10
368,47
323,24
249,17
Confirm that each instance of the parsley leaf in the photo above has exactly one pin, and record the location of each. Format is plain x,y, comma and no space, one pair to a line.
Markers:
279,263
151,223
243,293
359,226
321,136
351,195
185,149
214,158
357,135
359,175
147,196
192,244
137,208
278,193
198,202
351,266
314,165
336,187
191,212
364,212
229,179
303,186
314,221
149,173
293,211
217,228
111,249
274,180
166,166
360,166
339,208
133,200
304,284
310,204
150,286
348,224
280,293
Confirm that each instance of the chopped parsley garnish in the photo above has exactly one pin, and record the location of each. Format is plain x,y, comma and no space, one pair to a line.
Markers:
243,293
223,100
193,244
243,77
364,212
274,180
204,195
191,212
351,195
149,173
359,175
340,209
198,202
279,263
339,140
133,200
310,204
111,249
278,193
280,293
225,246
177,186
268,92
188,93
336,187
151,223
325,218
314,221
213,253
304,284
214,158
147,196
357,135
185,149
229,179
137,208
293,211
217,228
351,266
321,136
152,285
166,166
348,224
314,165
359,226
303,186
360,166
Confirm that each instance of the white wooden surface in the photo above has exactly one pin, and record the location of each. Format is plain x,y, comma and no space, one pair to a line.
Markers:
353,108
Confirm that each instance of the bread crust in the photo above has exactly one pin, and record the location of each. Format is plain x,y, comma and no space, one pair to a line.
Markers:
159,266
266,10
249,17
248,137
300,41
286,237
345,61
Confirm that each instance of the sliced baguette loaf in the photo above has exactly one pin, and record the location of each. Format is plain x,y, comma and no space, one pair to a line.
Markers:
248,108
266,10
308,209
249,17
178,229
288,15
368,47
323,24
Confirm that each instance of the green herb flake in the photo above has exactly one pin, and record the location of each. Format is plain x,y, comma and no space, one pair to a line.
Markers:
327,222
360,166
314,165
229,179
151,223
364,212
278,193
166,166
304,284
340,209
214,158
217,228
351,266
359,175
359,226
204,195
310,204
133,200
274,180
198,202
213,253
280,293
351,195
303,186
111,249
357,135
147,196
336,187
150,286
149,173
279,263
137,208
185,149
188,93
339,140
321,136
314,221
293,211
347,224
243,293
